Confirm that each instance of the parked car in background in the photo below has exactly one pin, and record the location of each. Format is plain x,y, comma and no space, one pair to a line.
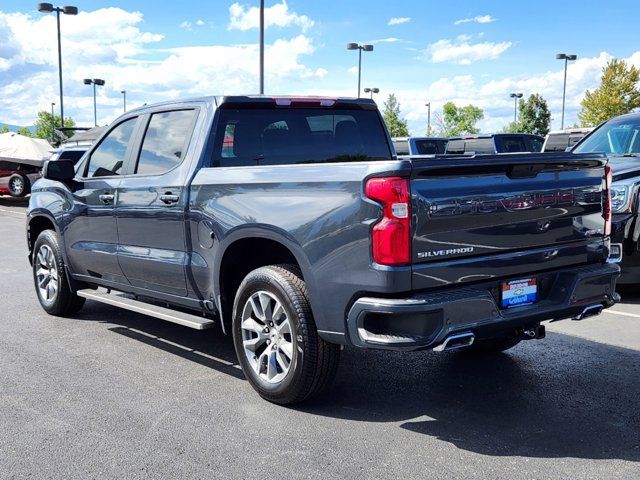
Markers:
494,143
619,139
83,136
73,153
560,140
419,145
289,223
21,159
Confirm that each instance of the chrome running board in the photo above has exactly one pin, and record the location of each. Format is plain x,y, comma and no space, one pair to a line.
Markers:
121,300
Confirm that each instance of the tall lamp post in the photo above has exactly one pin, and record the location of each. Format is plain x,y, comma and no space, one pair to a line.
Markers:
515,97
261,47
371,91
53,122
360,48
566,57
124,100
94,82
68,10
428,105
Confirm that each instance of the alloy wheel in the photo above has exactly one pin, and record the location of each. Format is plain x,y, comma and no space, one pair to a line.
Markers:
267,337
47,274
17,185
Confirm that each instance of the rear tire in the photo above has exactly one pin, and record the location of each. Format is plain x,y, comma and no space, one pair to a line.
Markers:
19,185
492,345
50,277
276,339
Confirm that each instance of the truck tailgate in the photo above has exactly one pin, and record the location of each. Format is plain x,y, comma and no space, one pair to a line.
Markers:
489,216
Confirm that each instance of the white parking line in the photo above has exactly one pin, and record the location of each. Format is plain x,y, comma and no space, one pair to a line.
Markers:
618,312
12,212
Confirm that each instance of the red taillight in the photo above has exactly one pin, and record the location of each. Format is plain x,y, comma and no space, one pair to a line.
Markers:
391,236
606,211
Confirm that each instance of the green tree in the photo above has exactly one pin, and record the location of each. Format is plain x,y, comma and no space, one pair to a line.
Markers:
618,93
458,120
534,115
25,131
4,129
44,126
396,125
511,127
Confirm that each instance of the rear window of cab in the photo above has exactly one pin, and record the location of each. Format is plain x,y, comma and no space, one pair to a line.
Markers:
273,136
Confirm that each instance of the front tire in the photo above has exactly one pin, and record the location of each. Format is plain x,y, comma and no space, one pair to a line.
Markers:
19,185
276,339
50,279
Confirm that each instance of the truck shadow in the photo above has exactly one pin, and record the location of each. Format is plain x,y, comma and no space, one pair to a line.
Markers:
561,397
209,348
8,201
629,293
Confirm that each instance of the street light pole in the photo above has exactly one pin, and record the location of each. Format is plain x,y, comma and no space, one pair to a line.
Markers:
124,100
60,65
566,57
53,122
68,10
359,69
428,105
371,91
360,48
515,97
261,47
94,82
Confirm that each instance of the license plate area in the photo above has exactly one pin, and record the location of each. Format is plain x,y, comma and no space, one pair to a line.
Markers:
516,293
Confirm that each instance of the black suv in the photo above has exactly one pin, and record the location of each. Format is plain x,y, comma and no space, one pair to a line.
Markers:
495,143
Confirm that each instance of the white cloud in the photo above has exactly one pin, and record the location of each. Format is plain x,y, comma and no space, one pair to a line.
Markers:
493,95
244,17
187,25
110,44
477,19
461,51
318,73
399,20
353,70
384,40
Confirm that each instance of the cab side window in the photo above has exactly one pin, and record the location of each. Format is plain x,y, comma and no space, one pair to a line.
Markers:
165,141
108,158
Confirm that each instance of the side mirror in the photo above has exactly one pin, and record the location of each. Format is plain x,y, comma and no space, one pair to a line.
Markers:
60,170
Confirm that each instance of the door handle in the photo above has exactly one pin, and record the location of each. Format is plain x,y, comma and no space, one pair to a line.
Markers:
106,198
169,198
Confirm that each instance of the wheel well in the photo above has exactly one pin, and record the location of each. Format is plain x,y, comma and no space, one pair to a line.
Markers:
37,225
240,258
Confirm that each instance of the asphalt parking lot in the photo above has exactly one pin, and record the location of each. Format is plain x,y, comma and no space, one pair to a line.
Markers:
113,394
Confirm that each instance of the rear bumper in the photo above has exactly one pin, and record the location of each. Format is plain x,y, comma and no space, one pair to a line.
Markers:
425,321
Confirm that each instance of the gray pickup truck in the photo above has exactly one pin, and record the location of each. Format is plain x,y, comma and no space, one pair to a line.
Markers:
291,224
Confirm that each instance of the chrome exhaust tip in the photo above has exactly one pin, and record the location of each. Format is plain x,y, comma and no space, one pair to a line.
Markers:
453,342
590,311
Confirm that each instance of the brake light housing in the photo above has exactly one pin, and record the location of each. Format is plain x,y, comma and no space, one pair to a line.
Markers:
606,210
304,102
391,235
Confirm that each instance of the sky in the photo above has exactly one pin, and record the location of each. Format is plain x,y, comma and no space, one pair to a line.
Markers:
464,51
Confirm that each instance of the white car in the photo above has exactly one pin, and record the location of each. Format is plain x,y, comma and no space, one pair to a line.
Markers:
560,140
